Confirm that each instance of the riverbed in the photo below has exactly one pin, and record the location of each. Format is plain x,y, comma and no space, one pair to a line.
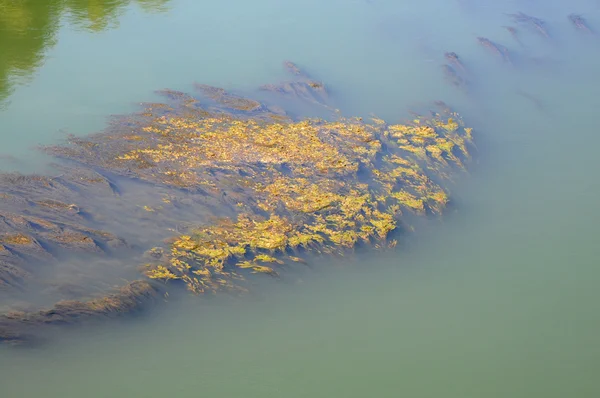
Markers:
497,299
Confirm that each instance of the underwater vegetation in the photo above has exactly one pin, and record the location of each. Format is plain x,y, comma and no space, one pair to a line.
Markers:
536,24
454,78
234,187
514,33
455,73
580,23
455,61
495,48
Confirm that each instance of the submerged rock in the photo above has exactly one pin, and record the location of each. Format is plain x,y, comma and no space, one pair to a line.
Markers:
454,60
292,185
580,23
228,100
305,89
514,34
454,78
11,276
238,188
534,23
26,327
496,49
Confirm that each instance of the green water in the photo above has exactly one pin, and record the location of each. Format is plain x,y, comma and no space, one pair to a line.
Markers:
498,300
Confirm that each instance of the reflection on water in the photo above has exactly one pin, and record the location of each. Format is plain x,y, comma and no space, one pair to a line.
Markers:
29,27
499,301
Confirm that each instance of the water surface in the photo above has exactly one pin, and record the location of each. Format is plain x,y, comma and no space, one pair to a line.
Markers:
499,299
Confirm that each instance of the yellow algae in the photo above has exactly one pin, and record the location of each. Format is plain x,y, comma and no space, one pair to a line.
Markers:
301,195
185,242
264,270
440,197
16,239
290,185
449,124
160,272
410,201
267,259
256,267
304,239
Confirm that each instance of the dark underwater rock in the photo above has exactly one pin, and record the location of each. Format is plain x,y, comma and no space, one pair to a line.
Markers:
25,327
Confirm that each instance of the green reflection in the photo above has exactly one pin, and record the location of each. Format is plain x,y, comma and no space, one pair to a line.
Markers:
28,28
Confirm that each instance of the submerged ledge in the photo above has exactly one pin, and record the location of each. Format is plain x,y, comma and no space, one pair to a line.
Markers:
234,185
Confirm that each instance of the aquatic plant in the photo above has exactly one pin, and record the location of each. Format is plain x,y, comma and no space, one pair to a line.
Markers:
294,186
580,23
240,187
497,49
535,23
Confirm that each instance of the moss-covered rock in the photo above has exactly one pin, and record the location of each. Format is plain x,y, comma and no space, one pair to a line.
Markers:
236,186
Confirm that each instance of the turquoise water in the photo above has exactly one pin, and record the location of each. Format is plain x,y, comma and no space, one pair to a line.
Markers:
500,299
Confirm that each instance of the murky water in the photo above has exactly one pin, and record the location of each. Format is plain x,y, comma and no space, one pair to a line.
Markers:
499,300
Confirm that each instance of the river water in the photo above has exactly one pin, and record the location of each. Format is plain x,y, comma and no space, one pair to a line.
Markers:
500,299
